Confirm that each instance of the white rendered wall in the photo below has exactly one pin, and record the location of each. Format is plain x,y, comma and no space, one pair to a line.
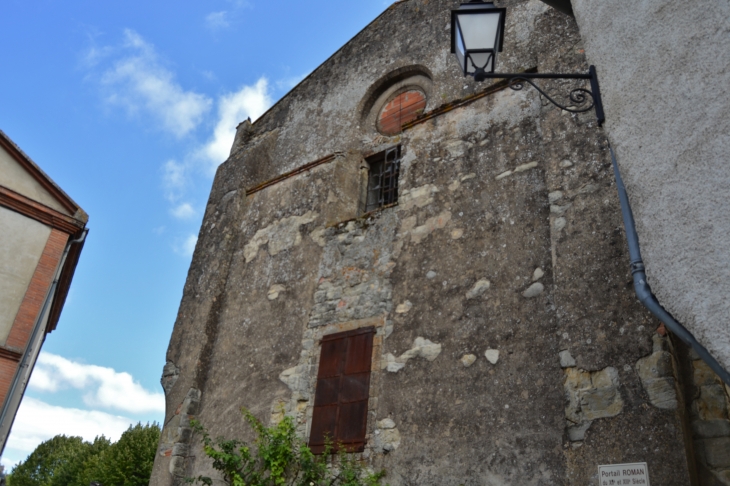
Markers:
14,176
664,71
22,241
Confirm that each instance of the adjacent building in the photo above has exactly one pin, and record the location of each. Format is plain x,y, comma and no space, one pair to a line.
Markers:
42,232
434,271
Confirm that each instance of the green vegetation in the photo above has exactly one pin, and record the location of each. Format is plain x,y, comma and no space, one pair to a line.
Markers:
279,458
69,461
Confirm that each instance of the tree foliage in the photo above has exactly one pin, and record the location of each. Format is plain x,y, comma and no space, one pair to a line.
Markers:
279,458
69,461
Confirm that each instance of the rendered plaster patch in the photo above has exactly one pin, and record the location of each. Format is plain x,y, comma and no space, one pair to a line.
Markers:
279,236
419,233
416,197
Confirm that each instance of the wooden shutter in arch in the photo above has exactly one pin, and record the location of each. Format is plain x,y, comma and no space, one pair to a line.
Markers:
343,390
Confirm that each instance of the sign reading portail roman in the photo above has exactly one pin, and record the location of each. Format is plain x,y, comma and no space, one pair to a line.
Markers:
623,474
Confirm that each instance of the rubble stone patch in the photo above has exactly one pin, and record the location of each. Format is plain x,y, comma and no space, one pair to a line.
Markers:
591,396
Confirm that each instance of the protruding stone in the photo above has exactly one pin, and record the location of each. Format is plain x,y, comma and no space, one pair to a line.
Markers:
559,224
431,274
524,167
537,274
457,233
404,307
578,432
566,359
467,360
492,355
533,290
386,423
564,164
478,289
657,377
274,291
554,196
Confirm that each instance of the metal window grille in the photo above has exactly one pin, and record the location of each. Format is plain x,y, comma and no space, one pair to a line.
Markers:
383,179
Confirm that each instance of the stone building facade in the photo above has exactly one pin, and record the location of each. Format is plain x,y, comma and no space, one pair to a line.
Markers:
507,346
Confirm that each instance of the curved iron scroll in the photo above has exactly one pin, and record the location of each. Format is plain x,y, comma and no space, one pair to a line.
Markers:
578,95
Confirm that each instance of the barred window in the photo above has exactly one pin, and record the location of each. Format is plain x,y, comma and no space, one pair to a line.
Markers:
383,179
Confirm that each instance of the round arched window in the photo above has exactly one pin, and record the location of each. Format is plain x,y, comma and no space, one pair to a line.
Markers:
403,108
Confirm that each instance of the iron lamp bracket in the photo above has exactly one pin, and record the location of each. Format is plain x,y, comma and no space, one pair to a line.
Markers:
578,96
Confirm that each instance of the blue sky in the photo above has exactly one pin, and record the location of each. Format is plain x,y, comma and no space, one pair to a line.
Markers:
130,106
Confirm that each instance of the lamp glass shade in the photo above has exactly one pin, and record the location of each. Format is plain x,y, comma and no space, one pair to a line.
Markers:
477,36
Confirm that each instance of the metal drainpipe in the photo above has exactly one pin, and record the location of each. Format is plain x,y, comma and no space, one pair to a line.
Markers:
642,288
27,354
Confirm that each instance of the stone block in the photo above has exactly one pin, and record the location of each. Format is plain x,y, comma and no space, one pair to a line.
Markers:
578,432
600,403
712,403
709,429
177,466
703,375
717,452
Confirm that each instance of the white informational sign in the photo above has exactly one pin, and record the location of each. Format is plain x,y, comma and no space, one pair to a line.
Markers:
623,475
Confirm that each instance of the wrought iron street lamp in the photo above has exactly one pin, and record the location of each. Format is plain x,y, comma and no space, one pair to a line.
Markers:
477,35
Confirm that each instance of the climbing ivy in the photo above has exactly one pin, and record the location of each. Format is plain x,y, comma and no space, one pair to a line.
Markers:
279,458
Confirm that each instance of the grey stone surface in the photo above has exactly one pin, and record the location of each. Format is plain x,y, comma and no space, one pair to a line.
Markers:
674,178
485,424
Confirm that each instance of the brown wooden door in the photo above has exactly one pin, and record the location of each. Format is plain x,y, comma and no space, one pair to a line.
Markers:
343,386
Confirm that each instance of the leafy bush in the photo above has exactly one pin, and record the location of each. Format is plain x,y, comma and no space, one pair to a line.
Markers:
279,458
69,461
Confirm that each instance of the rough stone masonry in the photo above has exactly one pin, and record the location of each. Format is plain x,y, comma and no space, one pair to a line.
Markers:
509,347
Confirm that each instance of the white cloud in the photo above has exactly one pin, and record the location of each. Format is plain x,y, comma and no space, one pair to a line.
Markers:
140,83
38,421
217,20
174,179
183,211
233,108
189,245
186,246
104,387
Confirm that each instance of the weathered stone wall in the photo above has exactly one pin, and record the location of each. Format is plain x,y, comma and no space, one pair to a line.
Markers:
663,70
509,346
